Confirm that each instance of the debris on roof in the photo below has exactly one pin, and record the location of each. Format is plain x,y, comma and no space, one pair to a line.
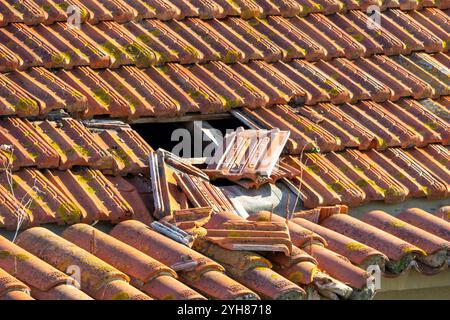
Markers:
250,154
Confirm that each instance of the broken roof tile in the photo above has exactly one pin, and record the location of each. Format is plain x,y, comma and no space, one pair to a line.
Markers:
245,235
201,193
248,154
190,219
300,236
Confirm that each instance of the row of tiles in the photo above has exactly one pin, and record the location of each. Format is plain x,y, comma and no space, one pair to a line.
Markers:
366,125
33,12
415,238
175,89
31,197
153,42
133,253
67,143
355,177
330,257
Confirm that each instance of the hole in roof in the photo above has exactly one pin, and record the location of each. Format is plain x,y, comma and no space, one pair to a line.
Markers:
163,134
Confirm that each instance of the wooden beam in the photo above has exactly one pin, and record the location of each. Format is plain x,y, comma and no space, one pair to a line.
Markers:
185,118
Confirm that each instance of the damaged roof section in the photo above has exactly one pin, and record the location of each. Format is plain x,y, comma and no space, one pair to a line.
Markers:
251,155
167,187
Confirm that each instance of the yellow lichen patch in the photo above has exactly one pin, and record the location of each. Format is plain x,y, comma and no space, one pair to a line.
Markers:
62,57
121,296
81,150
336,186
4,254
27,105
356,246
22,256
296,277
68,213
102,95
397,224
168,297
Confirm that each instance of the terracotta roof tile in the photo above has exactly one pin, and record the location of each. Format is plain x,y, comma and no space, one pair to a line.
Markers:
301,273
168,288
217,285
9,284
188,262
428,222
151,41
249,154
144,269
443,213
16,295
12,212
355,251
92,191
321,186
300,236
339,267
61,292
100,280
32,12
174,89
190,219
120,290
118,254
28,268
75,144
44,201
364,125
399,252
432,185
435,247
131,195
67,142
27,147
271,285
201,193
430,41
237,234
252,270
